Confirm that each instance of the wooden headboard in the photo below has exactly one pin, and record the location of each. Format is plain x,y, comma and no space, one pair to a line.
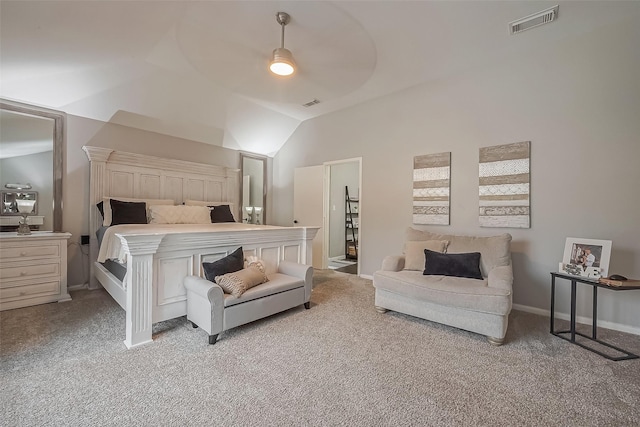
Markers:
130,175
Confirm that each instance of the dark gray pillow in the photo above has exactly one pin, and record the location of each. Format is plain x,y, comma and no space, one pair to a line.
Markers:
128,212
229,264
456,265
221,213
100,207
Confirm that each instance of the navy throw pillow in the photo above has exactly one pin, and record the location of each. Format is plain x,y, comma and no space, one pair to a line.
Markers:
229,264
456,265
128,212
100,207
221,213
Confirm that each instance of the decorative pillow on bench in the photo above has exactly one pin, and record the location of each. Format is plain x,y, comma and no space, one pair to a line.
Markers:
229,264
240,281
456,265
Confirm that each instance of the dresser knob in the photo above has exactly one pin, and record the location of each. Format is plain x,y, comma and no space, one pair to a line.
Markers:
23,273
23,254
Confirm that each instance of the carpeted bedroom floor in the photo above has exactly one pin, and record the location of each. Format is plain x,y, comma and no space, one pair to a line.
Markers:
339,363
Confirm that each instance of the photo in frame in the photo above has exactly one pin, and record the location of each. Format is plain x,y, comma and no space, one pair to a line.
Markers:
586,257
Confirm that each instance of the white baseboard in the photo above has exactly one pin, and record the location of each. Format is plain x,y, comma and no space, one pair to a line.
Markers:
366,276
78,287
580,319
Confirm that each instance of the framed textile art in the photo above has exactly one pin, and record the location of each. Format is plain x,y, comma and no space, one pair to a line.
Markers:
431,187
504,185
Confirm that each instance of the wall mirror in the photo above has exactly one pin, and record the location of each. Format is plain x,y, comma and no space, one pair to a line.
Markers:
254,188
31,146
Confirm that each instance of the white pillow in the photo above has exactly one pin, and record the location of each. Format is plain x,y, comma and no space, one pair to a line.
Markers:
203,203
414,258
106,206
163,214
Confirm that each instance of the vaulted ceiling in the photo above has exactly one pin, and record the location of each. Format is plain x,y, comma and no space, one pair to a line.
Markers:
198,70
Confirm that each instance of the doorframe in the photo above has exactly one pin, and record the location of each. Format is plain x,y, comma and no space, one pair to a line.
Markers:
326,208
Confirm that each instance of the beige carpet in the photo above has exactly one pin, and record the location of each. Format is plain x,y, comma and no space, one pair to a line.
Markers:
339,363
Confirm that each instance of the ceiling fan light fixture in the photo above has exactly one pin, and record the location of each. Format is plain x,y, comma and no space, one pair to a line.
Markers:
282,62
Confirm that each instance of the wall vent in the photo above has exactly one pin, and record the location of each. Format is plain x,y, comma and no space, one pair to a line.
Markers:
311,103
535,20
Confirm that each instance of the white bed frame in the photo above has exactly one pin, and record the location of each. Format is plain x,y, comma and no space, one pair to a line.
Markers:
157,263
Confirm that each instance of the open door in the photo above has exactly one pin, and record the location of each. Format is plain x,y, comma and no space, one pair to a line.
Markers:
308,206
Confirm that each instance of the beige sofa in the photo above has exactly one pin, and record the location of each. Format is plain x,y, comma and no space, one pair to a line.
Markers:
476,305
214,311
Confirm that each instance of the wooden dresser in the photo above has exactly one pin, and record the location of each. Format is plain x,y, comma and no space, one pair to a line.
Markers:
33,269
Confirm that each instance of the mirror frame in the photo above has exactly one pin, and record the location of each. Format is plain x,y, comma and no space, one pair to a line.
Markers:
58,118
263,159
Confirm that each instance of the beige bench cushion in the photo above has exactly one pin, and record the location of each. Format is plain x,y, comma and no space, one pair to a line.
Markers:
278,282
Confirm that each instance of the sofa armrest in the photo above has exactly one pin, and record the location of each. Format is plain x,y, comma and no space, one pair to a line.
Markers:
301,271
393,263
294,269
501,278
205,304
204,288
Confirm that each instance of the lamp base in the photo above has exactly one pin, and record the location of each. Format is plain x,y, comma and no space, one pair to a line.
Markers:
23,226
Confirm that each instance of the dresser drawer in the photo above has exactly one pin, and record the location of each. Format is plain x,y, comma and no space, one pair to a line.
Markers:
33,290
22,252
27,271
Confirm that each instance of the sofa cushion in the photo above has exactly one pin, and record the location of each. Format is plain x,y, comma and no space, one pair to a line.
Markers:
468,294
414,252
229,264
277,283
495,250
239,282
455,265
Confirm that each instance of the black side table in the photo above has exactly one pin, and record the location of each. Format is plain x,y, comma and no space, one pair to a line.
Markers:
572,330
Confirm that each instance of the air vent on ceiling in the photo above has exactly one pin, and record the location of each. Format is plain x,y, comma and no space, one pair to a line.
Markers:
534,20
311,103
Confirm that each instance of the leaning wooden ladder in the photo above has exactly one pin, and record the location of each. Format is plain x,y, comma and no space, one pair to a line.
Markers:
351,244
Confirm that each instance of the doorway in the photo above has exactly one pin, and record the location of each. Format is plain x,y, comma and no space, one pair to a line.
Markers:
343,215
319,199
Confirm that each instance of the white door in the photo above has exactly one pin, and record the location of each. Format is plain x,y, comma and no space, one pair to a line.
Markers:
308,206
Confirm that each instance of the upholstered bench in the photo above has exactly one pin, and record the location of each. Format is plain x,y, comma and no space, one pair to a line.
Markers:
214,311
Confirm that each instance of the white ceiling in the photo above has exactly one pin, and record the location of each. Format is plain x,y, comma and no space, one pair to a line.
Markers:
198,70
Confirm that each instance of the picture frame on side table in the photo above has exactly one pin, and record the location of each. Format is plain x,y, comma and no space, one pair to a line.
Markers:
586,257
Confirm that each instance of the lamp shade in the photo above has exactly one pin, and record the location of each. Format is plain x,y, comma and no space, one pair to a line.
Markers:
25,206
282,63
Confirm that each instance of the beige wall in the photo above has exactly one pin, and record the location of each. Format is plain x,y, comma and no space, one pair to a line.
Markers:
578,102
82,131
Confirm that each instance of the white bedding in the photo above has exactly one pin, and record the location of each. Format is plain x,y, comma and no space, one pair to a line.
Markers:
111,247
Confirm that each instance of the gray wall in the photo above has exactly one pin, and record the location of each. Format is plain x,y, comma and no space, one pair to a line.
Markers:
578,102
